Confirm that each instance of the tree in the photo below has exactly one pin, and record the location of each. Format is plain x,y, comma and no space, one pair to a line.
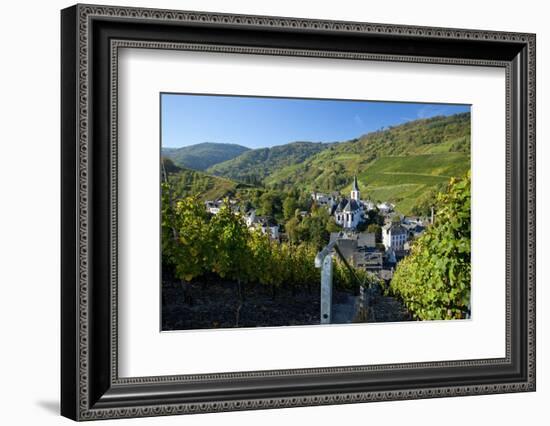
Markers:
424,204
302,270
185,236
332,226
266,204
261,252
269,204
396,219
294,230
290,205
169,166
434,280
315,226
229,243
375,229
230,246
374,216
362,226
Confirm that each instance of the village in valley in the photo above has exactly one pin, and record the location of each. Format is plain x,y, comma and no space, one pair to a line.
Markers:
377,248
294,225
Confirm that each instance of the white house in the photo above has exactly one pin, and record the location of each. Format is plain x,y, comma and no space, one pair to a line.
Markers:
394,236
250,218
326,200
214,207
271,229
266,225
368,205
385,207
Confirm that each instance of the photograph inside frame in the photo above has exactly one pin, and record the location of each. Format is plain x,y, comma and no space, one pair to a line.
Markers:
292,211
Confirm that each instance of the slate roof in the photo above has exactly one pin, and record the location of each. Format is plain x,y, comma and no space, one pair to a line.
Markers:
347,248
366,239
343,202
351,206
347,205
396,229
334,236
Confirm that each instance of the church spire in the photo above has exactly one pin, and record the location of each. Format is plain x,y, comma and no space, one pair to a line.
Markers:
355,194
355,187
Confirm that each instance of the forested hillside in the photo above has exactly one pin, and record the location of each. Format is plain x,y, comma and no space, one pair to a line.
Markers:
203,155
256,165
403,164
186,182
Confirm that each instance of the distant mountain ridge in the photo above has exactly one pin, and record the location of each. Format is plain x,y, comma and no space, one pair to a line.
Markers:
255,165
203,155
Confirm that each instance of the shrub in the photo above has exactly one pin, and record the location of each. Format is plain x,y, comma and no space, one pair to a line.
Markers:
434,280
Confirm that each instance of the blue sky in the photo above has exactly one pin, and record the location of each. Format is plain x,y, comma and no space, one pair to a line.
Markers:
263,122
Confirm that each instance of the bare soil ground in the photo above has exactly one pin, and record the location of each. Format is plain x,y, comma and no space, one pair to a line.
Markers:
217,305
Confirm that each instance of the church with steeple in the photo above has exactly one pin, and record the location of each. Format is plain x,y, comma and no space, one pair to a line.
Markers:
350,213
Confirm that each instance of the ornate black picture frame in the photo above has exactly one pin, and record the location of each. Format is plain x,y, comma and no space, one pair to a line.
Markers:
91,36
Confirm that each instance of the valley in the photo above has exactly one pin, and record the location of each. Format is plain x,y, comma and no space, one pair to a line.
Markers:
402,165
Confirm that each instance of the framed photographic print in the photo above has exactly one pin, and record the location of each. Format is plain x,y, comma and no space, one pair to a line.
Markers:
263,212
